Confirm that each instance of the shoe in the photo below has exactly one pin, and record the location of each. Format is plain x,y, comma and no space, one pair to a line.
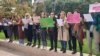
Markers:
74,52
33,45
90,54
38,47
28,44
64,51
10,41
61,49
81,54
50,49
55,50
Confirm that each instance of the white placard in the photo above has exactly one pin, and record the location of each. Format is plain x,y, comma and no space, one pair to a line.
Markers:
22,28
9,22
5,24
0,23
25,21
88,17
60,22
31,23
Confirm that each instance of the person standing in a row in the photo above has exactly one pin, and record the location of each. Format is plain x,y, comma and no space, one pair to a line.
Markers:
96,31
28,28
15,26
78,32
36,30
44,32
9,29
89,35
21,35
5,27
53,33
63,34
1,24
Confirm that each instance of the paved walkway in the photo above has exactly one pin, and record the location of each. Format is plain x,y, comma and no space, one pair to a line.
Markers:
29,51
9,52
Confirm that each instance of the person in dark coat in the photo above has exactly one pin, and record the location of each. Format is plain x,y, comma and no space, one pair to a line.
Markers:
53,33
36,30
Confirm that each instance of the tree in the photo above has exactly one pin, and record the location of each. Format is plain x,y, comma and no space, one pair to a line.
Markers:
7,6
21,9
11,6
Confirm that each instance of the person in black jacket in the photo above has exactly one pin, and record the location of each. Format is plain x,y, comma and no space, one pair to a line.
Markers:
53,33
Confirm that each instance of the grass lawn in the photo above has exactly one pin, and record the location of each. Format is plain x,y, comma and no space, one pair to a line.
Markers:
85,46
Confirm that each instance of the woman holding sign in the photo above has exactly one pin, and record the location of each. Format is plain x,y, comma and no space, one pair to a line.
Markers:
43,32
63,34
78,32
53,33
28,28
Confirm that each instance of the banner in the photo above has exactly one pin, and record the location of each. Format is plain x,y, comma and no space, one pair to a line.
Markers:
94,8
46,22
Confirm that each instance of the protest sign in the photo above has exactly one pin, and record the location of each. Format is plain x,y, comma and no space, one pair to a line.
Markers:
76,17
88,17
94,8
25,21
69,18
73,18
46,22
60,22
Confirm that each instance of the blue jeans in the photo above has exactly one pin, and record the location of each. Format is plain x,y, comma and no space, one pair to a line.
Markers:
63,44
21,41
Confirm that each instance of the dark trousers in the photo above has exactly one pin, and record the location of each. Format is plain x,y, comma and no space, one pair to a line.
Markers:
74,44
10,33
15,31
36,36
70,39
5,33
1,28
44,36
53,38
29,33
81,47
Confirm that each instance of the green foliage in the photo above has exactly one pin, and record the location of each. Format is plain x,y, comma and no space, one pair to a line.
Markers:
8,5
23,8
83,8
